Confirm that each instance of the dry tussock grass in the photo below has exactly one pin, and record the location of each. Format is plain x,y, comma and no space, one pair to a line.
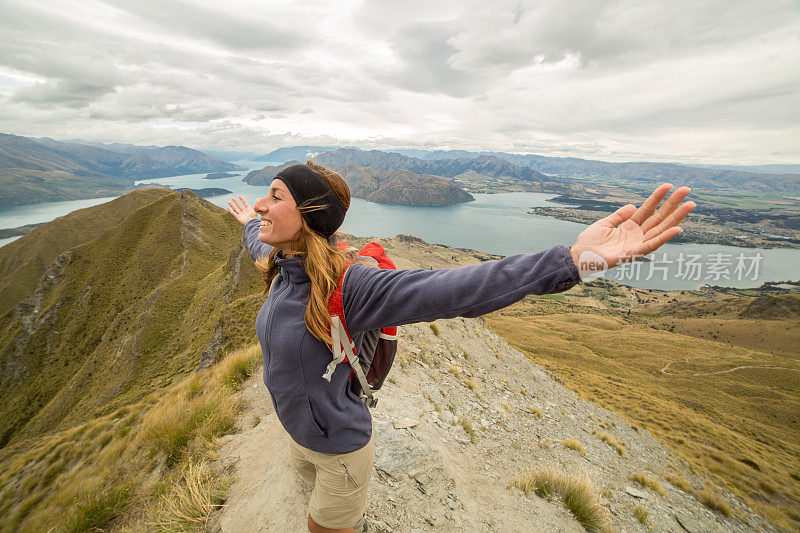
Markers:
96,507
94,476
577,491
170,426
713,501
646,481
640,513
677,481
190,503
573,444
237,367
608,439
469,429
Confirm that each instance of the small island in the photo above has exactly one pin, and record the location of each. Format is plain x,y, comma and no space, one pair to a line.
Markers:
208,191
219,175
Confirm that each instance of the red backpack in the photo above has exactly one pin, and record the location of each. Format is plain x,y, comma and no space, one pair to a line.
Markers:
371,366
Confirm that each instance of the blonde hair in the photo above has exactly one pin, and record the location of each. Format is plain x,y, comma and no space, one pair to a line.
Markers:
323,261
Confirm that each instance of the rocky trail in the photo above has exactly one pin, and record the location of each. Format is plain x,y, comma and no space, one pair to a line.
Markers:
461,415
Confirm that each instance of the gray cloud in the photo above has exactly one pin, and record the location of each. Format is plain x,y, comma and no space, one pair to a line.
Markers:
607,33
424,54
682,80
40,42
64,92
217,26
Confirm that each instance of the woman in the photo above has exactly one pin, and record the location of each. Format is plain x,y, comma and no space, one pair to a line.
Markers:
290,235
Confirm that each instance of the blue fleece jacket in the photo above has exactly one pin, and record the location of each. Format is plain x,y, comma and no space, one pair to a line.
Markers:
328,417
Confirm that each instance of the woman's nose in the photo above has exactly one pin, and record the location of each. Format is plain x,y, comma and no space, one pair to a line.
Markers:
260,206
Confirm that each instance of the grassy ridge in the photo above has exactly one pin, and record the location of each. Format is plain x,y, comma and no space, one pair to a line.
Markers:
145,466
127,313
742,427
23,261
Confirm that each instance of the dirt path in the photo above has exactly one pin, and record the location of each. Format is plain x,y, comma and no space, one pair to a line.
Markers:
726,371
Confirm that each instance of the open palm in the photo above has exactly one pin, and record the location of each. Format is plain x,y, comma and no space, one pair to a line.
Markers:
629,232
241,210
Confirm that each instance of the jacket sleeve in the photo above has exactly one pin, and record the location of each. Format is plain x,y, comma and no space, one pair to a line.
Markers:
375,298
254,246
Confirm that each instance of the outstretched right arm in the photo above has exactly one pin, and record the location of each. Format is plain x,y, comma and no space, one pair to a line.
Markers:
249,218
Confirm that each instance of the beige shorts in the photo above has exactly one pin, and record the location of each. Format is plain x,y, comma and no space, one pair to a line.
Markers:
340,483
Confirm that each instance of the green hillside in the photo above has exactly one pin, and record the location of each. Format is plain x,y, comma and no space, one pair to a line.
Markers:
121,315
23,261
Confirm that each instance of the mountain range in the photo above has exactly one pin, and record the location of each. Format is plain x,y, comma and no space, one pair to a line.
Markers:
140,162
401,187
449,163
45,170
751,178
36,170
486,165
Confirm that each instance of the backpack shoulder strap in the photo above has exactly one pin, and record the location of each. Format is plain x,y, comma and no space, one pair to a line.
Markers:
343,347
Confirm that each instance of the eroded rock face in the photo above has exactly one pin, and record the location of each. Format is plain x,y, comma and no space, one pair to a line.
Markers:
29,317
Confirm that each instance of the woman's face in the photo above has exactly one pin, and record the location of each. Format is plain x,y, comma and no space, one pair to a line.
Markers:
280,219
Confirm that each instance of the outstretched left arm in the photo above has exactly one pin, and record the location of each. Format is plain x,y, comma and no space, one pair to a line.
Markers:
374,298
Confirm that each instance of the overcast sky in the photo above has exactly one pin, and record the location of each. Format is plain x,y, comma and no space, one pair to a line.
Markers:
692,81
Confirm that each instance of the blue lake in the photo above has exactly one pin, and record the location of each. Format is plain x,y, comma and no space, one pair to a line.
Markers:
495,223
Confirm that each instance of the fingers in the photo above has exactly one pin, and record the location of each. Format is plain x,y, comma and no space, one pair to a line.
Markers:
665,210
619,216
672,220
649,205
234,206
656,242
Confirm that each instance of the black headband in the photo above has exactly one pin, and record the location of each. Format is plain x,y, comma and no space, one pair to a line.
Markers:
304,184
